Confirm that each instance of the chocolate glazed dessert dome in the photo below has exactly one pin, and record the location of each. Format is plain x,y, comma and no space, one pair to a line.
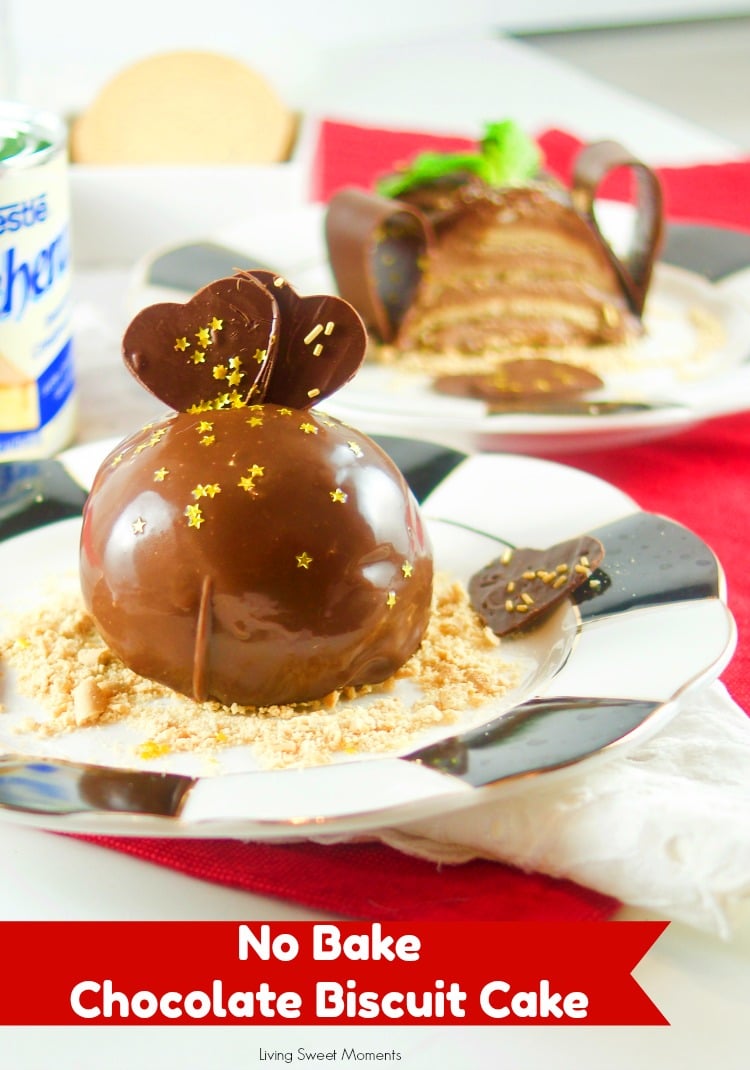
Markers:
251,550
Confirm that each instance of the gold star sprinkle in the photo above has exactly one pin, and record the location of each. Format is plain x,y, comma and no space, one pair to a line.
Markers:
255,421
194,515
256,470
308,428
203,336
206,490
139,526
407,568
355,448
117,459
390,600
338,495
151,749
260,355
222,401
247,483
216,324
199,357
235,377
182,344
219,371
304,560
203,426
235,363
284,411
208,440
160,475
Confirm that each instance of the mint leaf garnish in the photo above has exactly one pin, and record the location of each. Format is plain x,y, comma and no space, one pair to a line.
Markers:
507,156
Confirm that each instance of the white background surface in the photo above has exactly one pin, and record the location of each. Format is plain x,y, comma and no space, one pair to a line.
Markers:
55,51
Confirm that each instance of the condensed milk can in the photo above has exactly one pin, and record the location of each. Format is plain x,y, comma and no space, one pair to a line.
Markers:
37,382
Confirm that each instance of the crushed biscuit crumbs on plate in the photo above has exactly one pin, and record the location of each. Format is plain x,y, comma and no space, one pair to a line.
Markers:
60,662
686,344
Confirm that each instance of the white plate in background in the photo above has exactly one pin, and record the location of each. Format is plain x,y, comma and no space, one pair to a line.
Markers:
665,647
384,399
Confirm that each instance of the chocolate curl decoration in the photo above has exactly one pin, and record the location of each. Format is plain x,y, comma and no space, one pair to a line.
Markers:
244,340
593,163
377,248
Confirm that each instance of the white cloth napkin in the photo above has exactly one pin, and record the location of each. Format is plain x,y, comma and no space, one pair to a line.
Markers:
664,826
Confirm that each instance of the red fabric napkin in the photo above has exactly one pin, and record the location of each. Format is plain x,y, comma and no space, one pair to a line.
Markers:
350,155
717,193
372,881
700,477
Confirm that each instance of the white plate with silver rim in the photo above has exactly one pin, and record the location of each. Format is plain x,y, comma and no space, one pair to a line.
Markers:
597,676
691,365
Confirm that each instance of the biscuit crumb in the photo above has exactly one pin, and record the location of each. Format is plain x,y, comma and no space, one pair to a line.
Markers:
663,346
59,660
89,701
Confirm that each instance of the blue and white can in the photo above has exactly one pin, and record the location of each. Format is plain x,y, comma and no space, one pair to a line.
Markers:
37,381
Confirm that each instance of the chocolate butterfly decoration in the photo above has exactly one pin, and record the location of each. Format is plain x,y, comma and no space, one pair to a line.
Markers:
245,340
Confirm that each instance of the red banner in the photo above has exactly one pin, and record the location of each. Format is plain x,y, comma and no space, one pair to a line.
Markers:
259,973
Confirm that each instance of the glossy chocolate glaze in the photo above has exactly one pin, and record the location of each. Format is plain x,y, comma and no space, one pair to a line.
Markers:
256,556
